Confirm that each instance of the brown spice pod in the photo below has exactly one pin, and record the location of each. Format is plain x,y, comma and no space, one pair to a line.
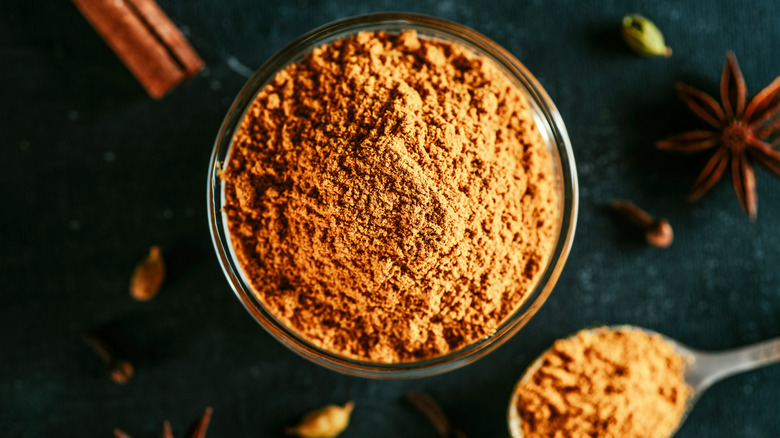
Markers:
148,276
326,422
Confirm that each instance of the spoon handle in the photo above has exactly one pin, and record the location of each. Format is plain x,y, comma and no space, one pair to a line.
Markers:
717,366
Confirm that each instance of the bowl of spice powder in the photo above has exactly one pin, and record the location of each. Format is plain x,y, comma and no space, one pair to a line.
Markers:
392,195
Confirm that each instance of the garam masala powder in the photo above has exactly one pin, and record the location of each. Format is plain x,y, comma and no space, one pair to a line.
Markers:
390,197
604,383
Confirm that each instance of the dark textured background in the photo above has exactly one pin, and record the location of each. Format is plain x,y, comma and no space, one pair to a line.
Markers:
94,172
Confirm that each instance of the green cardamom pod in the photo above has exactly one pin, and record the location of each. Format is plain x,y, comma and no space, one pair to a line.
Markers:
643,36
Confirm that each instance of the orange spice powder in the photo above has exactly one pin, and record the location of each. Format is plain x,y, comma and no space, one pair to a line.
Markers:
605,384
390,197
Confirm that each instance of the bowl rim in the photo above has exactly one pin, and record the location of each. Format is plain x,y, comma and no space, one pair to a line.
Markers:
546,115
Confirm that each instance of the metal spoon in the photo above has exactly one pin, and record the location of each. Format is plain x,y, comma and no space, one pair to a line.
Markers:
701,371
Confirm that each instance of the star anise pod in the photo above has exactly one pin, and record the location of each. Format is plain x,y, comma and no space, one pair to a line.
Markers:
197,430
743,134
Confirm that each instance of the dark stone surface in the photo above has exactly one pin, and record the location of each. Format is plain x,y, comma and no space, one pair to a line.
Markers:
94,172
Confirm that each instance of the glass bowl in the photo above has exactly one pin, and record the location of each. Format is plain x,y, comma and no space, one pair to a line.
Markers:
546,117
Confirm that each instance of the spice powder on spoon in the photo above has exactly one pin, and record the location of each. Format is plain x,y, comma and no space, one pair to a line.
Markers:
390,197
605,383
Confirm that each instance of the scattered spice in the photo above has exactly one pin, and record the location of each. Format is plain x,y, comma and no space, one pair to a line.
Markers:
120,370
146,41
148,276
325,422
642,36
742,134
390,197
657,232
196,430
428,406
603,383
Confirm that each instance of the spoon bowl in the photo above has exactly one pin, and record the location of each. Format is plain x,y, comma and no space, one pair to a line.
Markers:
702,369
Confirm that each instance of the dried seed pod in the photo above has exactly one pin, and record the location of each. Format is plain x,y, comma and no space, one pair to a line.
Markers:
326,422
148,276
643,36
197,429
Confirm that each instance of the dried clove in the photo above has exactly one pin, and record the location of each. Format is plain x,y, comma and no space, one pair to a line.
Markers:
148,276
428,406
325,422
657,232
118,369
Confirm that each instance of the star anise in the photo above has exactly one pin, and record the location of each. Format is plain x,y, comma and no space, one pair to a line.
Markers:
197,430
743,134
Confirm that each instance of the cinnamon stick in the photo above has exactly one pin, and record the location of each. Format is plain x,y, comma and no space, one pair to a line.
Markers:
146,41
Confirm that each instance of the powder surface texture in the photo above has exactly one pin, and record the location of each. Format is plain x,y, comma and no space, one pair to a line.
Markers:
390,197
605,384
